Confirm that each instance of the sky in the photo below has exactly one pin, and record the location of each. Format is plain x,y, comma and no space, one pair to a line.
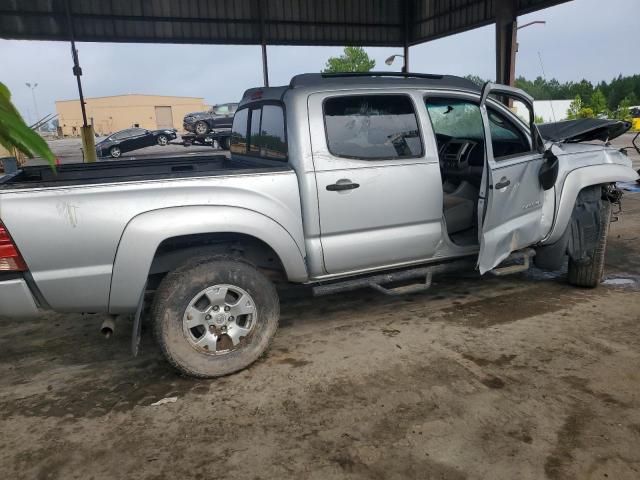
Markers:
581,39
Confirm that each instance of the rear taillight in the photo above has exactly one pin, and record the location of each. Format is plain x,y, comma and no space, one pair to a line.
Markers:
10,258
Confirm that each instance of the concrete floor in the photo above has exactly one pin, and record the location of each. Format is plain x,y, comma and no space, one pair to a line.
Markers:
522,377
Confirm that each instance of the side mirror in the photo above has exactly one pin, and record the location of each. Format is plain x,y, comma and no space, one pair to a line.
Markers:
548,173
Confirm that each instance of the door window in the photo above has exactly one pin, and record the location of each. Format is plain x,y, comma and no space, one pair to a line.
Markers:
260,131
506,138
121,135
271,141
239,131
254,137
372,127
455,118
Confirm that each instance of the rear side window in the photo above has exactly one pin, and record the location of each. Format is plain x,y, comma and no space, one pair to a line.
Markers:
260,131
271,139
256,115
372,127
239,132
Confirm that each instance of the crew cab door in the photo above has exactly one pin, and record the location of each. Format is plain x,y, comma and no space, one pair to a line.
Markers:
511,197
378,179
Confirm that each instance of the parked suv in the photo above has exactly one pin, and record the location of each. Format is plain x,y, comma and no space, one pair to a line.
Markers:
219,117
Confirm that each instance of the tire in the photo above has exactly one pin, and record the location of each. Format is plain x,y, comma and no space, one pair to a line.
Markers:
589,274
225,143
163,140
201,128
196,288
115,152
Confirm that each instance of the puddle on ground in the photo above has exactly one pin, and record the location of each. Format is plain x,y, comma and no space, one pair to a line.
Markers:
622,281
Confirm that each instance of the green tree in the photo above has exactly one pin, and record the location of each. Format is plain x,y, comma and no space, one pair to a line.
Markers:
476,79
598,102
623,111
574,108
354,59
15,135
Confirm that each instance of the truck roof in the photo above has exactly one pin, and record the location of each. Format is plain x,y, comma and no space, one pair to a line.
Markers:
323,81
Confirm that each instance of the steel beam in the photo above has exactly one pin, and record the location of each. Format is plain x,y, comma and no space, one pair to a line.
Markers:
87,134
263,44
506,28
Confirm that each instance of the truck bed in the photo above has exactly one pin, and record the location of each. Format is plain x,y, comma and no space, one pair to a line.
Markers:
135,170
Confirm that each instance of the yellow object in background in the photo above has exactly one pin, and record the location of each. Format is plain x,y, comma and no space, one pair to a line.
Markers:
88,143
635,124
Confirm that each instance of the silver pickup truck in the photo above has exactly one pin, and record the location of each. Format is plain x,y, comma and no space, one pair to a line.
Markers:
336,182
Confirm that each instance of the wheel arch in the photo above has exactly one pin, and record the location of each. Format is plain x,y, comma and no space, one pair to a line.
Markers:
145,237
578,180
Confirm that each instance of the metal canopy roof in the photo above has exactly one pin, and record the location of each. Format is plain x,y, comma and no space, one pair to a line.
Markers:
274,22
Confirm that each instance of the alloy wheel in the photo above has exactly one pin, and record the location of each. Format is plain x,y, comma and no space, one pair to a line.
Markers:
219,319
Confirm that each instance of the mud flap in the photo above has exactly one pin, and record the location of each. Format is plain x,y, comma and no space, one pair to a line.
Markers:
137,324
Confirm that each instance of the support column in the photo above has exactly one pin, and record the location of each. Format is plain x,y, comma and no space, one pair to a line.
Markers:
87,133
506,31
405,53
265,64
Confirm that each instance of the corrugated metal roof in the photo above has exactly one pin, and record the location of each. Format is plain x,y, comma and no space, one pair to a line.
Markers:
280,22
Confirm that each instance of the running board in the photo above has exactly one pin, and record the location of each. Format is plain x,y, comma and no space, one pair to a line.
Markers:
377,281
524,255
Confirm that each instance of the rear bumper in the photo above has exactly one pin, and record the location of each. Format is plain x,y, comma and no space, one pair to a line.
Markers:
16,299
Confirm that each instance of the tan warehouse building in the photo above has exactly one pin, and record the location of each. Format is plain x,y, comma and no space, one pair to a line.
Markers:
110,114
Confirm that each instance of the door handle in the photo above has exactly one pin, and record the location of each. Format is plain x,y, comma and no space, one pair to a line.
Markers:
342,185
504,182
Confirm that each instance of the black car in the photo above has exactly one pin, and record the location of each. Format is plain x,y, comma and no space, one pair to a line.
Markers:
219,117
133,139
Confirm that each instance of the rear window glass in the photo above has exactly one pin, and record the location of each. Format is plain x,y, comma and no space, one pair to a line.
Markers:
372,127
271,140
256,114
260,131
239,132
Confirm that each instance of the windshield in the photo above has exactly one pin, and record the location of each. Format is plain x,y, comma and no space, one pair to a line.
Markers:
453,118
226,109
462,119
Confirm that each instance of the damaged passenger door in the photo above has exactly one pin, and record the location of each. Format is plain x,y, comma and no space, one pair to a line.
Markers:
511,197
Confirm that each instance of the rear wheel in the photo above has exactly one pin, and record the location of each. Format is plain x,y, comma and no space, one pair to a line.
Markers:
215,316
225,143
588,273
201,128
115,152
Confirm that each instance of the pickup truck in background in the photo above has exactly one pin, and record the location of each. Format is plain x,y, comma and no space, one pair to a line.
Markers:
336,182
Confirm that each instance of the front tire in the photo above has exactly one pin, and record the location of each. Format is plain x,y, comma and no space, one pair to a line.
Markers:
201,128
215,315
225,143
589,273
162,140
115,152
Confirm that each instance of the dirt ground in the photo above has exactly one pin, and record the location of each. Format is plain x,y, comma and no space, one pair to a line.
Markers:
522,377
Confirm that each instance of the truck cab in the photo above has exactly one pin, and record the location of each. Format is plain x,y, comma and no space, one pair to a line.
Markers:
396,171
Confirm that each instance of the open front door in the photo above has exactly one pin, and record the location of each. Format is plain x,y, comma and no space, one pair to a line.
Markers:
511,197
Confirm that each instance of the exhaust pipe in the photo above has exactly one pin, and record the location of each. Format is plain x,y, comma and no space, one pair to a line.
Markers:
108,327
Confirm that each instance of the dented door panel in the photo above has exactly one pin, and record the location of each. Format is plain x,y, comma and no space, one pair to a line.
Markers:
511,206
